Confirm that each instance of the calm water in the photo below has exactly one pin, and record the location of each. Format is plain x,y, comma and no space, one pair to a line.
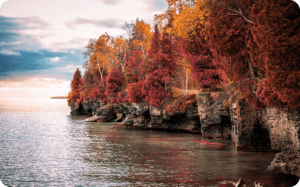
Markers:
42,145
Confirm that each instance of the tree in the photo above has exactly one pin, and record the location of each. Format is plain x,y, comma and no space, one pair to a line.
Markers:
135,92
229,31
204,68
187,15
114,86
74,94
154,88
141,36
275,51
134,71
87,85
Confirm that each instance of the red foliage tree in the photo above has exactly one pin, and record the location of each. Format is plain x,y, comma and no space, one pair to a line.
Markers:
229,31
98,92
202,60
167,57
74,94
87,85
114,86
134,69
160,68
275,50
135,92
154,88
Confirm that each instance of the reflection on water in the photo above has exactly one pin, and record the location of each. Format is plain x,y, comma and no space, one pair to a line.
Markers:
43,145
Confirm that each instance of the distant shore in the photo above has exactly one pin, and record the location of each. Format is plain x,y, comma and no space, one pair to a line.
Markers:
59,97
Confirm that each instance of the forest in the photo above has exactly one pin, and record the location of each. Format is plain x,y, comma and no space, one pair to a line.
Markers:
250,48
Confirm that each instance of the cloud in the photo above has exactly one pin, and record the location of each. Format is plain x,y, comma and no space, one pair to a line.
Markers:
156,5
32,22
111,2
8,52
109,23
55,59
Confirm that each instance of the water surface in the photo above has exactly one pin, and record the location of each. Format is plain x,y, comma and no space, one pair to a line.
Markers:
42,145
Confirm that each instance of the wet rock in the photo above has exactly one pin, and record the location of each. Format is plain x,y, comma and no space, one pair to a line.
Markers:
107,113
92,119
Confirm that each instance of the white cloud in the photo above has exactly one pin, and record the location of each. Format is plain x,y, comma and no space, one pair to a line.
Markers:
8,52
62,24
55,59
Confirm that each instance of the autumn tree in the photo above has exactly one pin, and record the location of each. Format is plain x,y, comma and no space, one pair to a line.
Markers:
141,37
87,85
114,86
187,14
204,68
229,31
74,94
275,51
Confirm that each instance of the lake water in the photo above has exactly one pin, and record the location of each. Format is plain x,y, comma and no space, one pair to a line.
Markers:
42,145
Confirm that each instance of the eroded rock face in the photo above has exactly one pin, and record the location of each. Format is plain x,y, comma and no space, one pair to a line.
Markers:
214,117
288,161
137,115
107,113
143,116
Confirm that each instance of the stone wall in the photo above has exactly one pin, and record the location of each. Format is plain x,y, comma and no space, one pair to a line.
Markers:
214,117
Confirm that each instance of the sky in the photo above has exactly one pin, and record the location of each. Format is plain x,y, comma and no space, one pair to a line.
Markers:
42,41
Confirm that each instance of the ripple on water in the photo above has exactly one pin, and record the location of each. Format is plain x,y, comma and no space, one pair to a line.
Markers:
42,145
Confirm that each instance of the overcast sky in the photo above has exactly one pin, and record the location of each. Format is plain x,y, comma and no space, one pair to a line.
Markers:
42,41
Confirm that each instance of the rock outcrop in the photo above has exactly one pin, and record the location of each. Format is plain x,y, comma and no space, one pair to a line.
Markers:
107,113
288,161
142,116
214,117
87,108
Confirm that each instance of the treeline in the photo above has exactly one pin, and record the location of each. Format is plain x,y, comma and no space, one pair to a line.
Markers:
250,48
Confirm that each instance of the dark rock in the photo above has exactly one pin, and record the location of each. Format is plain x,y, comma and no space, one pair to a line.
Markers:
107,113
119,117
